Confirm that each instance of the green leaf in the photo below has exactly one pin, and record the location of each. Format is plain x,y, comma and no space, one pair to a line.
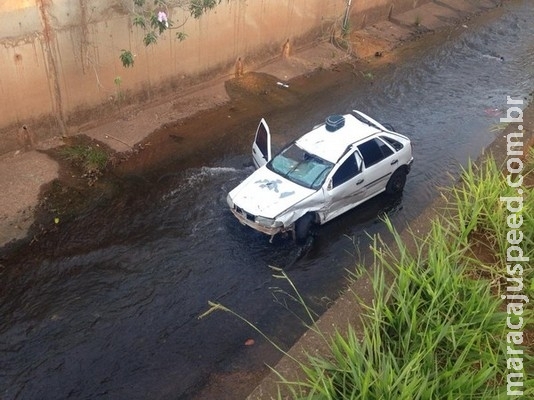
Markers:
150,38
199,7
181,36
126,58
139,21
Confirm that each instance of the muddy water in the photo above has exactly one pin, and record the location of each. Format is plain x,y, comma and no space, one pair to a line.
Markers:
107,306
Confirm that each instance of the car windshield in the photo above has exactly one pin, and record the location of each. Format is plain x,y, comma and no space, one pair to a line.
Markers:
301,167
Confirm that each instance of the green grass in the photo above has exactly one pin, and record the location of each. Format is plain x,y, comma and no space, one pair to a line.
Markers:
88,157
482,217
529,163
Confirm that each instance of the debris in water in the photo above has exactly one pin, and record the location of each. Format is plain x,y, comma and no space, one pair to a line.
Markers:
492,112
249,342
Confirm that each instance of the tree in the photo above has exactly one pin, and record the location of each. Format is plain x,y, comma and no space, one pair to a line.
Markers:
154,18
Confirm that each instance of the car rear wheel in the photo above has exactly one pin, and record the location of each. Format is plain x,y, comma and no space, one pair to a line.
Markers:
303,228
396,182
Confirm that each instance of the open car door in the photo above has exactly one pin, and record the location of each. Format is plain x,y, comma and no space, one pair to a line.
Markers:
261,148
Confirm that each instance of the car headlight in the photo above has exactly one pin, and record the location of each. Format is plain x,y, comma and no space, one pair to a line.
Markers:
269,222
230,201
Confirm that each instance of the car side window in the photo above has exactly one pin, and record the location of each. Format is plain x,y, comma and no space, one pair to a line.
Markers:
346,171
392,142
374,151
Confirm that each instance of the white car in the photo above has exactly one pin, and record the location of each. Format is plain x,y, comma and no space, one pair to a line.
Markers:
326,172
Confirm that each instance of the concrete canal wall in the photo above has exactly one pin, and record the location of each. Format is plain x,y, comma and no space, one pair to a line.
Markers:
60,65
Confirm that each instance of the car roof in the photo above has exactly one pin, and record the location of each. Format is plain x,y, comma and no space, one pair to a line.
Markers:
330,146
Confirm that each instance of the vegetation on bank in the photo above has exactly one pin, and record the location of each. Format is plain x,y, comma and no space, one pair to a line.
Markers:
89,158
444,322
440,329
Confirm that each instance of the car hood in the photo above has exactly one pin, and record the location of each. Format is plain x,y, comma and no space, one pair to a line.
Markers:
267,194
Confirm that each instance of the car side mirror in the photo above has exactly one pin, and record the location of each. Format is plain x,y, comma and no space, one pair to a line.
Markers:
330,186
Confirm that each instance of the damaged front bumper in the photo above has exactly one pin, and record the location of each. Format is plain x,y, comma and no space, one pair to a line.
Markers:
266,226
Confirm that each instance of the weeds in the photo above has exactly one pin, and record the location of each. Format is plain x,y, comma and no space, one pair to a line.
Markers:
529,163
498,127
91,159
367,75
482,217
433,333
119,94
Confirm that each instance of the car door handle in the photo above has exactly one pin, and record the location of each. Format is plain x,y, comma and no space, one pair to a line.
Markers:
394,162
359,182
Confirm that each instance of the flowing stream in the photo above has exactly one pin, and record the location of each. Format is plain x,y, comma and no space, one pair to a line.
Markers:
116,317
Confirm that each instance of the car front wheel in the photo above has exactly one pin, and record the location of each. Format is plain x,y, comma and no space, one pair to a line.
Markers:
303,228
396,182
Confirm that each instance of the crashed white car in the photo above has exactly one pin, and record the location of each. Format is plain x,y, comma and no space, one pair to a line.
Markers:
326,172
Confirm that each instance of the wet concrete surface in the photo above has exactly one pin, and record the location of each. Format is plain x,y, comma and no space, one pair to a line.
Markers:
105,304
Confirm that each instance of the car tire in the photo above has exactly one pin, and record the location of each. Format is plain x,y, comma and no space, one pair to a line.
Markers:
303,228
396,182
